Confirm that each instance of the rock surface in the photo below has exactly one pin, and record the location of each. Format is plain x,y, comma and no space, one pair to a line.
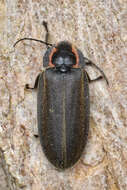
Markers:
99,29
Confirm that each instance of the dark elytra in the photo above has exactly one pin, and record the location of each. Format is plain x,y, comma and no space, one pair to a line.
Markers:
63,102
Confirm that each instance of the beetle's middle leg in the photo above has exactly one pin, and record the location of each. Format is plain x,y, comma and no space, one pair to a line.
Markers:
47,32
35,84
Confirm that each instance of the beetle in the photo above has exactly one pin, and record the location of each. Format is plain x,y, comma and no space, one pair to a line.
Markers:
63,104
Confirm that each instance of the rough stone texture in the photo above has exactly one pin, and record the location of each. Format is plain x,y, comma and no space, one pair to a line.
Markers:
3,176
99,29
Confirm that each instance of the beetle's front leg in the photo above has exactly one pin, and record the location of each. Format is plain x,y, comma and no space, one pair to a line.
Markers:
93,80
90,63
35,85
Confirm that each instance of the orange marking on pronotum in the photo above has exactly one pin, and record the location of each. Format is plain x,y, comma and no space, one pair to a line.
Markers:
77,57
50,57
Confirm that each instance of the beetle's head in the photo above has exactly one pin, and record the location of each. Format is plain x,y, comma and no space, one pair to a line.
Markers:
64,57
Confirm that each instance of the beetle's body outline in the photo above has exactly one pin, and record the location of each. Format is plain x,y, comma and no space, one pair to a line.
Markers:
63,102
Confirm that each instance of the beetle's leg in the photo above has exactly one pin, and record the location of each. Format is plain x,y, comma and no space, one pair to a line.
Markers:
90,63
36,136
94,80
35,84
47,32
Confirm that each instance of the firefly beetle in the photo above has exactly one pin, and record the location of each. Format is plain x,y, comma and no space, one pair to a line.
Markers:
63,102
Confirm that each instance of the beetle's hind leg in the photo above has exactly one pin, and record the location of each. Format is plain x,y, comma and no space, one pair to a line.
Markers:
90,63
35,84
47,32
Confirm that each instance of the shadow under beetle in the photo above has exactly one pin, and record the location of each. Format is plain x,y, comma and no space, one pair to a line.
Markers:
63,102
